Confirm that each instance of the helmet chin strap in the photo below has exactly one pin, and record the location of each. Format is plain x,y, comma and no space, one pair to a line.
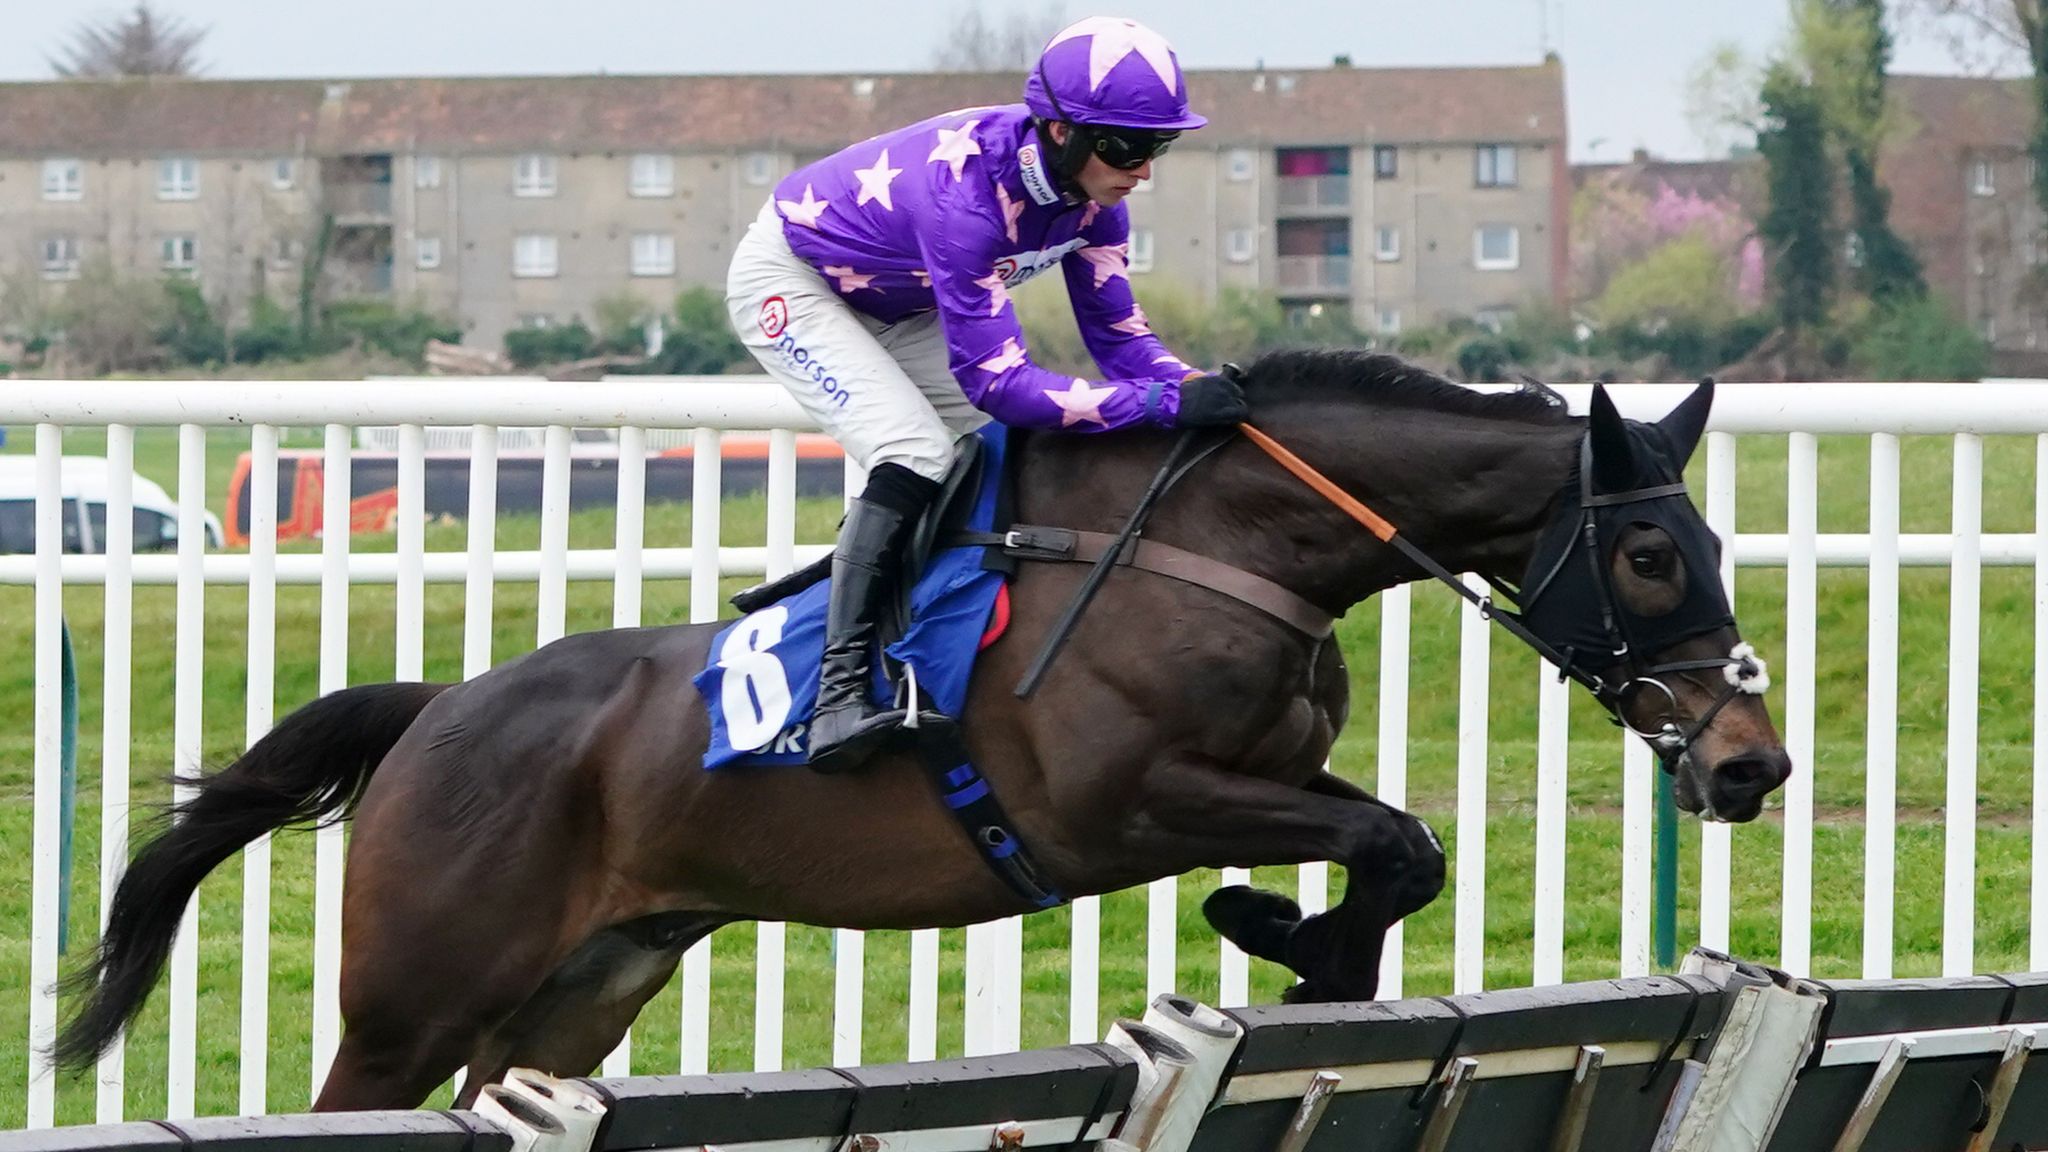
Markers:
1065,161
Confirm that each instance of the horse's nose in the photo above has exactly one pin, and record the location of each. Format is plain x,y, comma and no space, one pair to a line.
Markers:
1753,774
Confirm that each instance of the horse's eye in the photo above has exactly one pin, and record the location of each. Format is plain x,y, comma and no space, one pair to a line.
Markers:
1648,565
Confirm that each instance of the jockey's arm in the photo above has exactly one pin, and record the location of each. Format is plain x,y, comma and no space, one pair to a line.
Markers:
985,343
1111,323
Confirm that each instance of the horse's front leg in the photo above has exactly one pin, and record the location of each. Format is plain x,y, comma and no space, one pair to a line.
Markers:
1203,816
1336,953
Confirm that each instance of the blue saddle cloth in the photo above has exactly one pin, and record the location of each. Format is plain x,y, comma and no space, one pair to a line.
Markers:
761,683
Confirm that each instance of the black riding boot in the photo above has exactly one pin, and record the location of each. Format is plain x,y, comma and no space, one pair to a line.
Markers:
847,727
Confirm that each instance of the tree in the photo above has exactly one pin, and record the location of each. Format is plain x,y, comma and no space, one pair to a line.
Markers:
1888,272
976,44
1798,227
141,43
1687,280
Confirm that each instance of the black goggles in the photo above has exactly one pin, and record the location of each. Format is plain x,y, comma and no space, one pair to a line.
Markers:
1126,149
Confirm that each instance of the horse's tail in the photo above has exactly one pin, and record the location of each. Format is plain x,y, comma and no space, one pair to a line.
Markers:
310,768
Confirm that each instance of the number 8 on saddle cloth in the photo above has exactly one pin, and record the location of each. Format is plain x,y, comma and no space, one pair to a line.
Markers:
761,681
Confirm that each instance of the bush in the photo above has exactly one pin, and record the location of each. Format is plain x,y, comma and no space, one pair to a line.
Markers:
533,347
1918,339
271,334
1691,346
700,341
191,335
385,327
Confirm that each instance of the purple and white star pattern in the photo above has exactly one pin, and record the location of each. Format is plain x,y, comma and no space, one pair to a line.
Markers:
1111,38
957,234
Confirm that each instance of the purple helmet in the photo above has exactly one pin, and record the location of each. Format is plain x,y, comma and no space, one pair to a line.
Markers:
1112,72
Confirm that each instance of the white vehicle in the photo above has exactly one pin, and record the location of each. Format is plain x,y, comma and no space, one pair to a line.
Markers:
85,508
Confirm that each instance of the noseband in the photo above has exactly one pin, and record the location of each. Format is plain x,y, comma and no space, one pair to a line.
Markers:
1743,670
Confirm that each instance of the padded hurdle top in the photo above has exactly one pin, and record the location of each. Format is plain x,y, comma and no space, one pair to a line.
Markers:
1958,1029
326,1132
1059,1086
1525,1042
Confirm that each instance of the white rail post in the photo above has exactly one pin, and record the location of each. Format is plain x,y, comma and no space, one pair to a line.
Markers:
258,713
328,842
187,718
111,1073
1393,745
1795,928
1881,732
1959,873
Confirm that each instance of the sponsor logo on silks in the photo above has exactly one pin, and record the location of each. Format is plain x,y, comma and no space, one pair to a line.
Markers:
1037,181
1015,270
801,361
788,742
774,316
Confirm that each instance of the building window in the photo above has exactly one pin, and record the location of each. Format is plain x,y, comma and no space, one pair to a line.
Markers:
1240,245
653,175
533,175
177,179
63,180
181,254
1390,321
283,174
1991,329
1386,162
1982,180
427,252
760,167
1493,166
654,254
60,257
536,320
285,250
534,256
1386,243
426,171
1242,164
1496,247
1141,250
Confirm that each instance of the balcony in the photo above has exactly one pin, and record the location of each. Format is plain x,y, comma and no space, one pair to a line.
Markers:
359,204
1316,194
1315,275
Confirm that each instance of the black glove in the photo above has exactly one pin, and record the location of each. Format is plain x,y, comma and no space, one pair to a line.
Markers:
1213,401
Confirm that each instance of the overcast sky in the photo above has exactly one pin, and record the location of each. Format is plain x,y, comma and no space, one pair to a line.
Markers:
1625,60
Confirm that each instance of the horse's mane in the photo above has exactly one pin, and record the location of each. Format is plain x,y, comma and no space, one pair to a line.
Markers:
1384,379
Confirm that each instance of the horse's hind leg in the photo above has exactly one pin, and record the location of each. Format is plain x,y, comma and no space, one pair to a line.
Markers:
584,1008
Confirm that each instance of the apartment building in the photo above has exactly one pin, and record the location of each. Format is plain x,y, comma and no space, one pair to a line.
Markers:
1405,196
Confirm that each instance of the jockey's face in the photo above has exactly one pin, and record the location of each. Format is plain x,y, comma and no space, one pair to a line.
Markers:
1101,183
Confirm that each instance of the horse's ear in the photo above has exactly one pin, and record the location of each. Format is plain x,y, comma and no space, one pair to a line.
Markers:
1614,468
1683,425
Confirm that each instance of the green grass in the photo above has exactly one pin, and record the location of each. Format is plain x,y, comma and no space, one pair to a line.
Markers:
1593,832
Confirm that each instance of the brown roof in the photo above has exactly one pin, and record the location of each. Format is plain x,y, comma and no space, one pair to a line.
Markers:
682,113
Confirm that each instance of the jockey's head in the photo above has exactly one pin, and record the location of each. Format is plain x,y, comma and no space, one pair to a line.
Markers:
1117,85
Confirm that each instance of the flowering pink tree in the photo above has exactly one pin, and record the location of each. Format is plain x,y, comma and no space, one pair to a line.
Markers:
1616,224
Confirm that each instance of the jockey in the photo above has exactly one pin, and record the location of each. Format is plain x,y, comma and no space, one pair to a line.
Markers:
875,286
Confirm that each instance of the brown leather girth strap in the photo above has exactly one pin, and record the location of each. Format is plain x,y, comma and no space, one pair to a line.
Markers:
1032,542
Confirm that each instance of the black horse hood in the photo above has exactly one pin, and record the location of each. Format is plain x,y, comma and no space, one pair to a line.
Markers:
1628,473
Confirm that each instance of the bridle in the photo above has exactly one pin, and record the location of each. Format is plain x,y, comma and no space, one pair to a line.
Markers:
1670,738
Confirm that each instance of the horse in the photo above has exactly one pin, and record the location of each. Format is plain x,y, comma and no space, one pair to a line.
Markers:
535,848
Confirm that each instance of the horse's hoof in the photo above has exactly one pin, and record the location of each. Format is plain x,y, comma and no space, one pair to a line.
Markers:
1257,921
1306,992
